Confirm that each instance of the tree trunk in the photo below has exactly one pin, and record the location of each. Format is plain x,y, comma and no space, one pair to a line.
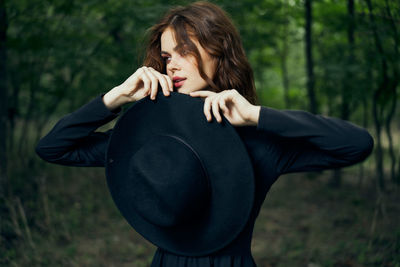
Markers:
398,170
285,75
388,128
378,155
346,89
365,125
309,58
284,57
381,95
13,106
393,88
3,112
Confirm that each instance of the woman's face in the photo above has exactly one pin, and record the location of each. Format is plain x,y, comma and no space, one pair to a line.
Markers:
182,69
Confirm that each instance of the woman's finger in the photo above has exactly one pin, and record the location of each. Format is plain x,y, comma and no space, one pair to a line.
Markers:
222,104
169,81
146,82
132,83
161,79
154,83
202,93
206,108
215,107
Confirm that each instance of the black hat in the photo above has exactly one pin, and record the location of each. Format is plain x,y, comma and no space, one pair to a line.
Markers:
183,183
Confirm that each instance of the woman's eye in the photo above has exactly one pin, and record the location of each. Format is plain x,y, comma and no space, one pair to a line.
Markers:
166,59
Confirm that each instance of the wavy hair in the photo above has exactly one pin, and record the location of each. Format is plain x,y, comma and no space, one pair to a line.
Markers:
216,33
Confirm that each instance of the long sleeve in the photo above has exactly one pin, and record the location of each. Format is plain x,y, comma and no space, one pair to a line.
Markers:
301,141
73,140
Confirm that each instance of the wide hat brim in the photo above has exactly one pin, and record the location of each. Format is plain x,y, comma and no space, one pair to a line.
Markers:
224,156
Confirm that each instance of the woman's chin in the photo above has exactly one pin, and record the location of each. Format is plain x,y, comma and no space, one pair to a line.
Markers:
182,91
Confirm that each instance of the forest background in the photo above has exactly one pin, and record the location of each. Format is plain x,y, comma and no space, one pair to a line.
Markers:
332,57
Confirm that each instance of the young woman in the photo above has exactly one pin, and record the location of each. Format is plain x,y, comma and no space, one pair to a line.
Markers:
196,50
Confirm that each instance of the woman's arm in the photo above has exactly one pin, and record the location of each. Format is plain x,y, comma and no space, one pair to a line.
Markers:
302,141
73,140
291,140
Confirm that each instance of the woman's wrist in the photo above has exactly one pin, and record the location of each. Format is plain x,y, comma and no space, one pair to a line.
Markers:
112,99
254,115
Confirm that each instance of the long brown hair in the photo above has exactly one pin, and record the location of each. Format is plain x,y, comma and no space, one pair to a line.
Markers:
214,30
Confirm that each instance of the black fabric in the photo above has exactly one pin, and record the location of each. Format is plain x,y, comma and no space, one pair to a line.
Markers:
284,141
170,140
166,259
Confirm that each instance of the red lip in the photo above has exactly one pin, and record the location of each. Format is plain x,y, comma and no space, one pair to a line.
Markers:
176,78
178,81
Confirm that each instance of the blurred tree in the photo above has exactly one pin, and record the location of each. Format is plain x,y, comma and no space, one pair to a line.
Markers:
348,80
338,58
384,99
313,107
3,107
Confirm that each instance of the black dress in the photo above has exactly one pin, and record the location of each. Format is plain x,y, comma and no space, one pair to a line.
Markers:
284,141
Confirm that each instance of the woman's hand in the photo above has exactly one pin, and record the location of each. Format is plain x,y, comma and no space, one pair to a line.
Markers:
236,109
140,84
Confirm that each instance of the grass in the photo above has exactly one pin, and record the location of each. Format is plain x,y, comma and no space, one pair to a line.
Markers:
73,221
304,222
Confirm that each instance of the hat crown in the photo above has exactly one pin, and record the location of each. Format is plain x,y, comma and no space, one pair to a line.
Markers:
171,182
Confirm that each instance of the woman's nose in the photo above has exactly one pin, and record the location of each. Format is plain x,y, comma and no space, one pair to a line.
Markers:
173,64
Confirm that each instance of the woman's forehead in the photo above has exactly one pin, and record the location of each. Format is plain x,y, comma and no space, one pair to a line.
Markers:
168,40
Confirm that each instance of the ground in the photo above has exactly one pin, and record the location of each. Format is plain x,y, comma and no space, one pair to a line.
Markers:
303,222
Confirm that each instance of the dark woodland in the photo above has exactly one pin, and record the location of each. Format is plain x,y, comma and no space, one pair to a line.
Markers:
337,58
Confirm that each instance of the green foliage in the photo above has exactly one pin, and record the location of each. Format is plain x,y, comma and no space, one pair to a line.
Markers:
62,53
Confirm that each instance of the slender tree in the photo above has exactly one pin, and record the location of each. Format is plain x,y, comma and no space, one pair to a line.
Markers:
393,87
3,108
309,57
284,54
348,80
384,101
